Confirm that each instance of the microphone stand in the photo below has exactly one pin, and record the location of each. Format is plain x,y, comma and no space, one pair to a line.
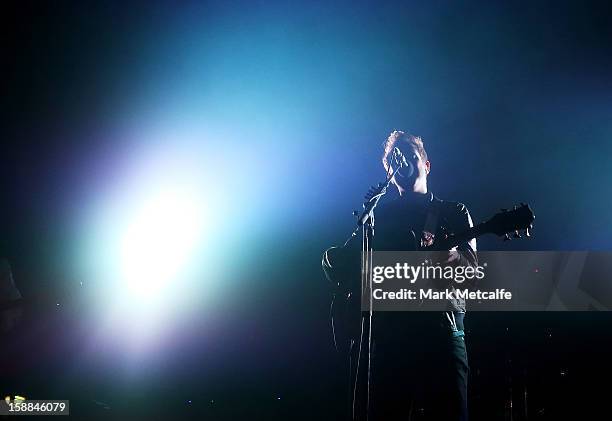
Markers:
365,223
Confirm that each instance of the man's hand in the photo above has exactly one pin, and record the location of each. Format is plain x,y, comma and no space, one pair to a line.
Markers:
443,258
453,257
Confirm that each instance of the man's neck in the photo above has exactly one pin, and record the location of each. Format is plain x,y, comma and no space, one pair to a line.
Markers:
414,193
414,197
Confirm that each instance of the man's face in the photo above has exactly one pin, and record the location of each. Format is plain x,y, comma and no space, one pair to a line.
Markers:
416,179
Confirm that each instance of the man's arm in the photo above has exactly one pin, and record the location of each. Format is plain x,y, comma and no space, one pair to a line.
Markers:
465,252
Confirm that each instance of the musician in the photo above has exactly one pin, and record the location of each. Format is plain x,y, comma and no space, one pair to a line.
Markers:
419,359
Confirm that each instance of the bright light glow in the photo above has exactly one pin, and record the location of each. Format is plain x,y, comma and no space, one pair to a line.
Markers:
156,233
158,243
145,254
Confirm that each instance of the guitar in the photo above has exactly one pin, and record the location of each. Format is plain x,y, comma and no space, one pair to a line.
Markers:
507,224
503,224
354,339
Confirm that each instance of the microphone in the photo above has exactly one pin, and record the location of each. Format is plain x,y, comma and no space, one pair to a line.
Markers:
406,169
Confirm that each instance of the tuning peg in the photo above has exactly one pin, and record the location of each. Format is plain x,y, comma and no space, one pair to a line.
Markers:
527,233
517,234
530,226
506,237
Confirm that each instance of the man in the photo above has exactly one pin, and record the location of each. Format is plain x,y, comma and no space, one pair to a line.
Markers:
419,360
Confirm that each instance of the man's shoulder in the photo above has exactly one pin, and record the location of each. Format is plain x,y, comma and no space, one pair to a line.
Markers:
449,207
444,207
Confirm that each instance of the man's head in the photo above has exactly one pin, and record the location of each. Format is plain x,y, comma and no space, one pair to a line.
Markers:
413,149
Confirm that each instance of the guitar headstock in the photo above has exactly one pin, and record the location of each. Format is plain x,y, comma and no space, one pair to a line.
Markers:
511,221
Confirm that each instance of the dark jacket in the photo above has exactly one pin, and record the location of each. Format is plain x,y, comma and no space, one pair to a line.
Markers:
401,225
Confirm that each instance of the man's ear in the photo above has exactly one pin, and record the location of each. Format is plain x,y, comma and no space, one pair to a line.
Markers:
428,166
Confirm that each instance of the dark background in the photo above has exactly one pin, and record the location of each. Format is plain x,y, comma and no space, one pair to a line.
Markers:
513,103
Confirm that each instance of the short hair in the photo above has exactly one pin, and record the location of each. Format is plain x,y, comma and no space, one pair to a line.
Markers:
400,136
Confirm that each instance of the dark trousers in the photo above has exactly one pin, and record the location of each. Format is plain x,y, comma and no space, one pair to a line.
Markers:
419,370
